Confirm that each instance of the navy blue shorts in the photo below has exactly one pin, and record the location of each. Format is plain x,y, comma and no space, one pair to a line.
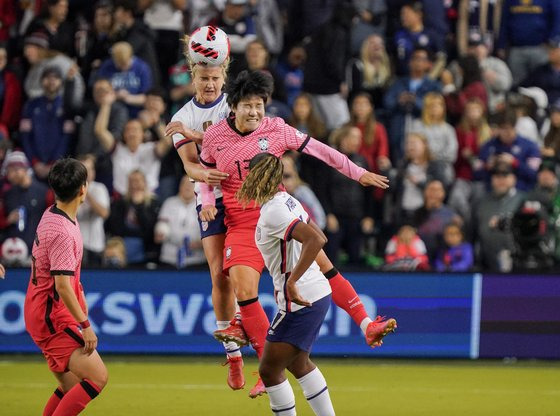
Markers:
299,328
213,227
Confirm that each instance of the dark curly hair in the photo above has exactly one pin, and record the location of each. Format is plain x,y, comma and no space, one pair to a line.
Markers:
248,84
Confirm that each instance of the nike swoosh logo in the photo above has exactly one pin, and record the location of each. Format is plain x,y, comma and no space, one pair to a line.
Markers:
220,148
352,300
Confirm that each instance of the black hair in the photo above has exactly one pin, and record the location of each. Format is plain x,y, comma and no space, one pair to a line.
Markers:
127,5
258,157
506,118
419,48
158,92
471,69
66,177
248,84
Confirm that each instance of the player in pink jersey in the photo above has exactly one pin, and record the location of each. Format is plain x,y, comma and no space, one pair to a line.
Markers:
207,107
55,308
229,146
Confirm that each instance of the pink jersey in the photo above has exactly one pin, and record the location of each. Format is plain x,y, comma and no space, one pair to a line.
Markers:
57,250
230,151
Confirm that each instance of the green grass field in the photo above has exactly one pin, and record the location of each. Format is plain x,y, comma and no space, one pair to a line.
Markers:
196,386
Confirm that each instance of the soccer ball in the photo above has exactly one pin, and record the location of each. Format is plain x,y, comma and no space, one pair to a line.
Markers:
208,45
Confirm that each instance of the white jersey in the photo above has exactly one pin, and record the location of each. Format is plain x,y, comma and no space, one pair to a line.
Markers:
281,253
199,117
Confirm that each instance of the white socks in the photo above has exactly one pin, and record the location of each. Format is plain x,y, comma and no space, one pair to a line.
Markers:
364,324
316,392
282,400
232,349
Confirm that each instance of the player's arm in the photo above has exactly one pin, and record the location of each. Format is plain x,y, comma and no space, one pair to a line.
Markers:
2,271
66,293
189,156
177,127
312,242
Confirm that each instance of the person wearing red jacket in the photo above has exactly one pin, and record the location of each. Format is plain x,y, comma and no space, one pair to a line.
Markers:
10,94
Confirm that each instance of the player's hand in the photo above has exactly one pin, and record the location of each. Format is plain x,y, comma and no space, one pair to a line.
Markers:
373,179
208,213
90,340
214,177
293,294
176,127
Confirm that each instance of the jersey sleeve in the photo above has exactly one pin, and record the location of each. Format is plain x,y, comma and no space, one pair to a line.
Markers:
280,221
206,157
62,256
295,139
178,139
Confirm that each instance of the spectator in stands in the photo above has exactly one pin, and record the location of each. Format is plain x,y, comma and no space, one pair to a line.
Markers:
433,216
114,255
98,41
200,13
525,27
130,29
371,72
547,76
239,24
406,251
348,205
177,229
442,140
403,100
413,35
530,108
496,240
46,129
54,24
520,153
372,20
409,178
165,19
92,214
552,133
133,154
471,86
106,116
302,192
11,98
8,18
133,217
37,53
130,76
455,255
25,200
480,18
269,24
375,145
472,132
154,118
327,56
181,85
495,74
290,71
257,58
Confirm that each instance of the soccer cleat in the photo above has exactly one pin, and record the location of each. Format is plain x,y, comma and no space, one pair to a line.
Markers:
377,329
235,378
257,390
233,333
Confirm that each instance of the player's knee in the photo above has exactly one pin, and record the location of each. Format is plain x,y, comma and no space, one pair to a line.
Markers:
101,379
268,374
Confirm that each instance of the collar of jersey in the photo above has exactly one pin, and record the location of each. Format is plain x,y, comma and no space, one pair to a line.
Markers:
57,210
210,105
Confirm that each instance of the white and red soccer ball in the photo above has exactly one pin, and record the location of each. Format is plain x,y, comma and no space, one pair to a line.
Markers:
208,45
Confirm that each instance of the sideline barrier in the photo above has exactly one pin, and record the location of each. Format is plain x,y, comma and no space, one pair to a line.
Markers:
439,315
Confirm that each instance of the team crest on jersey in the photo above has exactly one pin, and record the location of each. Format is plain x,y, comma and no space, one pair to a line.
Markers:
228,252
299,134
263,143
258,234
204,225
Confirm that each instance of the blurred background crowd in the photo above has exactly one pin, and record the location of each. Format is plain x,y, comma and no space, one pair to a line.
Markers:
457,101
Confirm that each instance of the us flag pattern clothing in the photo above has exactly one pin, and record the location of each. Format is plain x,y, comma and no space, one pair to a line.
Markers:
57,250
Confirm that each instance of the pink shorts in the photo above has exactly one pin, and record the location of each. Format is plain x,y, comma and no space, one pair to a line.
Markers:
240,249
58,348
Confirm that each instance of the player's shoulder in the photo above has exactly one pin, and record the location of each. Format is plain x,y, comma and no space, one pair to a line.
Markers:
184,112
55,223
276,206
273,122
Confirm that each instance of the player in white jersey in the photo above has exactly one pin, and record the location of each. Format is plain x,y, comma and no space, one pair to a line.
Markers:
207,107
289,244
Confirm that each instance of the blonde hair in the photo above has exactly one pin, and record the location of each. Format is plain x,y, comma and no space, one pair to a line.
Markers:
193,66
121,52
427,155
484,130
430,99
261,184
374,75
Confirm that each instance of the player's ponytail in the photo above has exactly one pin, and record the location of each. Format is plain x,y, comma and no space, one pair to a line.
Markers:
263,180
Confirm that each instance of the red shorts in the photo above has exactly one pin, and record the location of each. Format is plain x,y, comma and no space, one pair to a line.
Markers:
240,249
58,348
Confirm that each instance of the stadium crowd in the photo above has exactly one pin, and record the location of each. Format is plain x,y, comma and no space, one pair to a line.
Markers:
456,101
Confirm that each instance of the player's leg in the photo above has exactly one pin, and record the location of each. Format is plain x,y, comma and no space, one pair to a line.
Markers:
276,357
223,301
345,297
92,372
66,381
313,384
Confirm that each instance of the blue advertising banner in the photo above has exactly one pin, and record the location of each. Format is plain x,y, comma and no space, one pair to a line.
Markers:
170,312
